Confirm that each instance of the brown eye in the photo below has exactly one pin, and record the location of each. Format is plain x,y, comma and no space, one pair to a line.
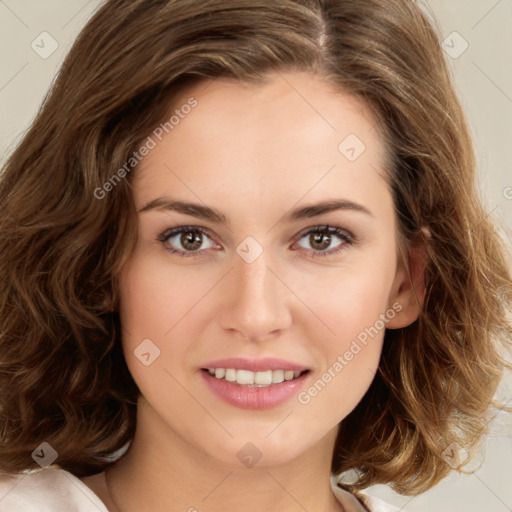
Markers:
321,238
186,240
319,241
191,240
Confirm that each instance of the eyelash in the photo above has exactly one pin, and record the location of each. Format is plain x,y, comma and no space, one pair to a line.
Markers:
346,237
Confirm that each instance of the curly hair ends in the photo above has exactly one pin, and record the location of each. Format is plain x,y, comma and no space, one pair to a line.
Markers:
63,376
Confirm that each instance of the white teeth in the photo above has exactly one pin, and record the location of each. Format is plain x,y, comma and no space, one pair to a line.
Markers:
263,378
245,377
278,376
230,375
253,379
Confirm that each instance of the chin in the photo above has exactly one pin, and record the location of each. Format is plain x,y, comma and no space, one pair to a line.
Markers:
259,451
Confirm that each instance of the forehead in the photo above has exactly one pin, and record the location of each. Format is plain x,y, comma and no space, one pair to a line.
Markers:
292,134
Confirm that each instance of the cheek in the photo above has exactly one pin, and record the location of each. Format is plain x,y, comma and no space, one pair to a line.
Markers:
153,300
154,306
352,304
355,309
155,297
348,301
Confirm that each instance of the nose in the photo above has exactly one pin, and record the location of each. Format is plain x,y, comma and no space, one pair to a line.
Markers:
257,304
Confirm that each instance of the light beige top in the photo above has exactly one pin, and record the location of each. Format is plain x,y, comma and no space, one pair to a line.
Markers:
54,489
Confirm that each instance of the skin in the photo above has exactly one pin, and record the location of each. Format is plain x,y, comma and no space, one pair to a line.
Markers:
254,153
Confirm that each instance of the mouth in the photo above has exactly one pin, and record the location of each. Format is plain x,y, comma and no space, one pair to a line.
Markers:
254,383
250,379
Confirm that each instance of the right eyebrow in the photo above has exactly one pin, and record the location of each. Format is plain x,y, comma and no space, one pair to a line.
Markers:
193,209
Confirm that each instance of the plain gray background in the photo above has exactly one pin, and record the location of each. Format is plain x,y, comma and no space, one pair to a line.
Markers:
478,44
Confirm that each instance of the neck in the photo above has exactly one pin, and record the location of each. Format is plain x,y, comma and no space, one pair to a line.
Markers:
162,472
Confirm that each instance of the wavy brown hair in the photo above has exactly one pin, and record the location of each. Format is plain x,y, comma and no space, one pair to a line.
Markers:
63,377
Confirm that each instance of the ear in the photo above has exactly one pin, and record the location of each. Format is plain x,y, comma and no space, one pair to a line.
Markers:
409,287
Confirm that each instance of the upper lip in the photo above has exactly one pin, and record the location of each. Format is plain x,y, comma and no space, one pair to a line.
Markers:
255,365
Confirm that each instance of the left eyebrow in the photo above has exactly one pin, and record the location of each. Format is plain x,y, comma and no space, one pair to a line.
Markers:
306,212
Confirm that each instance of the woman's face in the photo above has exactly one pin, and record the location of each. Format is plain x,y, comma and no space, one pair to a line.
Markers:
255,287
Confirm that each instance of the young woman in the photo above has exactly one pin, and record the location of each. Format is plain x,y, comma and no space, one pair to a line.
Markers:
242,253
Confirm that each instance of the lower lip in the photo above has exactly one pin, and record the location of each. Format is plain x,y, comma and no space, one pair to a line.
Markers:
254,398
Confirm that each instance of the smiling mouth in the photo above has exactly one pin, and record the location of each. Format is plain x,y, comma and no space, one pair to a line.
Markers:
251,379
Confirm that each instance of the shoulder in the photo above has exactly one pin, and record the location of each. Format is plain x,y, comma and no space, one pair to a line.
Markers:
377,505
50,489
361,502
